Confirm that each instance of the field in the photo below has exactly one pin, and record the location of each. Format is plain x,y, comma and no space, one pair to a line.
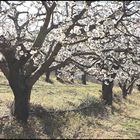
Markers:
71,111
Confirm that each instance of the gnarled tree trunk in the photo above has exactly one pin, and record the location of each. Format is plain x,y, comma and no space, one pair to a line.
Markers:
107,91
107,86
127,87
20,106
21,91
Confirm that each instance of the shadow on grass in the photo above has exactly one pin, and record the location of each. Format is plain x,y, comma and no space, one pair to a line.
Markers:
54,120
50,123
14,130
96,108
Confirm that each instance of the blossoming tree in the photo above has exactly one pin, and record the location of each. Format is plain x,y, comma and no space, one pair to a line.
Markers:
46,35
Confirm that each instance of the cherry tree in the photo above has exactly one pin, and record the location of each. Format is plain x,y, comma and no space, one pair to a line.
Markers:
24,55
111,33
46,35
112,38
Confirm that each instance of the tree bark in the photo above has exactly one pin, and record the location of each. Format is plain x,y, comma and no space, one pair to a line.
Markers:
107,92
20,106
131,89
48,77
127,89
84,78
21,91
124,91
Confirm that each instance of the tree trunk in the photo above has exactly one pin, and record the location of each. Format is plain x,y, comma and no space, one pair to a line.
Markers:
72,79
56,74
138,86
21,91
124,91
84,78
123,88
48,77
58,78
20,107
131,87
107,91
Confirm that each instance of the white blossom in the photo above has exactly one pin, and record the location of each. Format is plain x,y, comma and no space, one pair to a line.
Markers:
33,52
21,53
106,83
18,48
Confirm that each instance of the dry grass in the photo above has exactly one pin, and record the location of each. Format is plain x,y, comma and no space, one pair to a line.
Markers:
97,121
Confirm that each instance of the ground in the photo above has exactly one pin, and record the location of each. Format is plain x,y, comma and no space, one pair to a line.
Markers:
86,116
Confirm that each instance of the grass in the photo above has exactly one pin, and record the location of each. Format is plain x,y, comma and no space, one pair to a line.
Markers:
121,120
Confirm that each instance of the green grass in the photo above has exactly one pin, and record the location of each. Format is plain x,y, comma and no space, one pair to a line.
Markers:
122,120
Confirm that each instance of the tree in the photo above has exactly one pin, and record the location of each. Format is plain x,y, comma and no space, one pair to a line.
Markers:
118,47
22,65
129,76
55,34
110,43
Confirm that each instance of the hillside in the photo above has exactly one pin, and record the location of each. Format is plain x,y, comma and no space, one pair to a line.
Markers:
71,111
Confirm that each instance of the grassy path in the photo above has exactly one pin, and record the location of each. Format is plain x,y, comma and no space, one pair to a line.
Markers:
121,121
124,125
